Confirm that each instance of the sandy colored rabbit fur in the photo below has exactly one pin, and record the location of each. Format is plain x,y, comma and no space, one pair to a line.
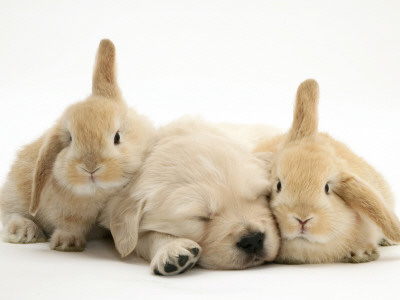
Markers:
59,183
330,204
197,189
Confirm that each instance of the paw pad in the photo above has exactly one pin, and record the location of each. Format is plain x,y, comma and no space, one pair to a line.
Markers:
195,251
176,257
182,260
169,268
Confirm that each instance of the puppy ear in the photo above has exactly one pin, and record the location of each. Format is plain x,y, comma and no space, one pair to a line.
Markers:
124,225
270,145
104,77
265,158
305,117
44,164
356,192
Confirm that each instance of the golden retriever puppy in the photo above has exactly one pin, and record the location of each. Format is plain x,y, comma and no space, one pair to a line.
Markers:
200,197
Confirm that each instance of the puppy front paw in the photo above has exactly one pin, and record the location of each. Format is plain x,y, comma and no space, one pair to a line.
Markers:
362,256
176,257
67,241
21,230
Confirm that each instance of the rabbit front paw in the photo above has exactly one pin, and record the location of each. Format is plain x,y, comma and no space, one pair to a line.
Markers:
362,256
385,243
176,257
67,241
21,230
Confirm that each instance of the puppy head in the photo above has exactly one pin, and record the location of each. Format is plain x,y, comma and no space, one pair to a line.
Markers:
220,202
240,232
240,236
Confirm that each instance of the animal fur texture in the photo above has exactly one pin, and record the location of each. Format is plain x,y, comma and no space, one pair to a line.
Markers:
60,182
200,197
330,204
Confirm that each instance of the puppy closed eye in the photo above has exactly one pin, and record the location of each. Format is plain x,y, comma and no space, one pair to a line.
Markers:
204,219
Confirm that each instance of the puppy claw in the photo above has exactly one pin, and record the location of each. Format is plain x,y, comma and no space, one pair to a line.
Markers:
67,242
21,230
176,257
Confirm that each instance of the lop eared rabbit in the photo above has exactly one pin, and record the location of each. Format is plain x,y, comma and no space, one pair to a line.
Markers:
59,183
331,205
200,197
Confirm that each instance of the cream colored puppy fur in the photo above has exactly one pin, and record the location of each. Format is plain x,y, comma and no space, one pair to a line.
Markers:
59,183
331,205
200,196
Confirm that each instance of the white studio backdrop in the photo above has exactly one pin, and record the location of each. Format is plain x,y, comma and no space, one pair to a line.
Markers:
228,61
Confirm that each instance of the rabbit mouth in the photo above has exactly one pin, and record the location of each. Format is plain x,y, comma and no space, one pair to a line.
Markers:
303,237
307,238
95,185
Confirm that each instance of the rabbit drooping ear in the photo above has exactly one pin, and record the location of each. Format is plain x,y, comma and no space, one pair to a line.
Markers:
124,225
305,117
104,77
44,164
364,199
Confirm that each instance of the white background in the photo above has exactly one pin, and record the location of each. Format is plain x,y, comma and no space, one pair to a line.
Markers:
235,61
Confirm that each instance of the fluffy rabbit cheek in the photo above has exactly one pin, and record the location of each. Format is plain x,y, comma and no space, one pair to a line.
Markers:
315,227
107,173
111,173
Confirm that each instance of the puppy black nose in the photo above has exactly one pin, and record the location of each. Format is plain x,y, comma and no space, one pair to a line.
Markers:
252,243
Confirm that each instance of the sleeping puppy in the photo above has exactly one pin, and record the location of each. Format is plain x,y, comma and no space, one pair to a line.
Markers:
200,197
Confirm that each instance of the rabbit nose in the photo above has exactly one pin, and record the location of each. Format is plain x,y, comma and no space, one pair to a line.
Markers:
252,243
302,223
91,172
90,161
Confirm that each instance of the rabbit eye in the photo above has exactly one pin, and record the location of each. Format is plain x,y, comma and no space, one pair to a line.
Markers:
279,186
326,188
116,138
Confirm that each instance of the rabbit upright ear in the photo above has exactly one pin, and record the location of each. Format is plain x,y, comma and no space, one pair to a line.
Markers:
104,77
305,117
47,155
356,192
124,226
